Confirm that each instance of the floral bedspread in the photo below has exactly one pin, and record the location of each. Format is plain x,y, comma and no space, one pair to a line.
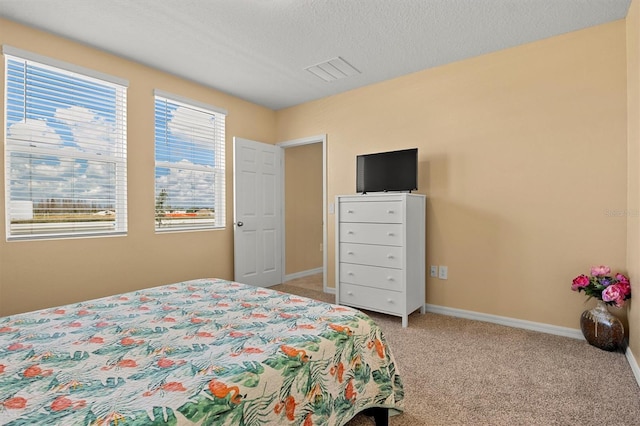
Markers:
206,351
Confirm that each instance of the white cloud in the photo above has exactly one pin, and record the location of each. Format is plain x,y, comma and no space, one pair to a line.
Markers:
188,188
192,125
45,176
91,132
35,179
36,132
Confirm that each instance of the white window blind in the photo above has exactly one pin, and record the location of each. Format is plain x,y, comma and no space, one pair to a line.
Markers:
65,151
190,164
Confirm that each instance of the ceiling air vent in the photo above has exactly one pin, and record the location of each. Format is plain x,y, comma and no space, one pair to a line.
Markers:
333,69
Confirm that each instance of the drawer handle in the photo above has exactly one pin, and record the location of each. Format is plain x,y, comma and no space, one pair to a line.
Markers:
391,234
350,253
390,211
390,256
349,273
350,293
349,211
390,279
389,300
350,232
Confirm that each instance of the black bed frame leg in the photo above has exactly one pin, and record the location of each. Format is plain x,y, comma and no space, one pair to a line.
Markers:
380,415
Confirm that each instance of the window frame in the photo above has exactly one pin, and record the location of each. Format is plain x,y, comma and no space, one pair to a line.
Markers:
177,223
115,148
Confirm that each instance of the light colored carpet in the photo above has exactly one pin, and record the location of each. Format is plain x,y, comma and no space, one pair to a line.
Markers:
463,372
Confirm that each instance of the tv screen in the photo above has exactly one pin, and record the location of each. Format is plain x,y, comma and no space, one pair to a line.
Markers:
387,171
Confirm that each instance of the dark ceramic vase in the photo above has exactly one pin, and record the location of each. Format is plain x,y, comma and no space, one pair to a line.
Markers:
601,328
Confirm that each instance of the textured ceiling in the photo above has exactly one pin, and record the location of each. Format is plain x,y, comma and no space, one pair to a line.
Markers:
258,50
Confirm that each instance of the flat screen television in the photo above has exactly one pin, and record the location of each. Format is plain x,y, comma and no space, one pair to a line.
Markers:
387,171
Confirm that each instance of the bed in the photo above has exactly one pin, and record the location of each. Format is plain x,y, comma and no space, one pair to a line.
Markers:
206,351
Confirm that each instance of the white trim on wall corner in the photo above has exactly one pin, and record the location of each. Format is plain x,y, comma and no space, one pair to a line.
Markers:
509,322
633,364
301,274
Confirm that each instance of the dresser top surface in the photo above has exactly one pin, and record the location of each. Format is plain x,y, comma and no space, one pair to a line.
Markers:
380,195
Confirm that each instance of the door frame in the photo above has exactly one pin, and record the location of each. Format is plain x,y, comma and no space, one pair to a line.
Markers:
299,142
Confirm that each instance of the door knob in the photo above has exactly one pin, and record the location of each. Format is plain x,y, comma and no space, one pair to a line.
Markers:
240,223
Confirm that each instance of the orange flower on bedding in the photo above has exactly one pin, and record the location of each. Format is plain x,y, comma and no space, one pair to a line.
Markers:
349,392
127,363
165,363
173,387
306,326
167,387
379,346
62,403
35,371
308,421
18,346
123,363
290,407
15,403
128,341
340,372
238,334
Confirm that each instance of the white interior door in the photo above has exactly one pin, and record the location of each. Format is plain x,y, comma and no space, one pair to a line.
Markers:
257,226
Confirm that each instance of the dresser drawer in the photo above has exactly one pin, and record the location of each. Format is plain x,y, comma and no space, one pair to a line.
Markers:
364,254
371,233
371,276
374,299
371,211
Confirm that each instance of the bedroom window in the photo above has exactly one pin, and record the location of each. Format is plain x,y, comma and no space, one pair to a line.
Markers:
65,149
190,164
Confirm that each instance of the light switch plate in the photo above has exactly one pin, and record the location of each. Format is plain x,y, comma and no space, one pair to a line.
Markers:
443,272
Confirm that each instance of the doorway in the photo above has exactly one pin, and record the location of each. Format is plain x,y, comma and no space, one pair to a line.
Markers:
305,233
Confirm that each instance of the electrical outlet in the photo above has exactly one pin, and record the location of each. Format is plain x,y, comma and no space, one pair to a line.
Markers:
443,272
434,271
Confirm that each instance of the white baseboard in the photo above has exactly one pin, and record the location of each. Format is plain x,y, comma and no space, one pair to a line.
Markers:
633,364
330,290
301,274
510,322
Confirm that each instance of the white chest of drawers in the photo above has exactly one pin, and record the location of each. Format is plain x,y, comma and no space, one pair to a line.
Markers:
380,252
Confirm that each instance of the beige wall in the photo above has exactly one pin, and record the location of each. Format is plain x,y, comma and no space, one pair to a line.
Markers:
633,176
38,274
522,155
303,207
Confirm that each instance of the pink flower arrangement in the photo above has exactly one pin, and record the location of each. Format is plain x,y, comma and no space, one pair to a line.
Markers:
611,289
